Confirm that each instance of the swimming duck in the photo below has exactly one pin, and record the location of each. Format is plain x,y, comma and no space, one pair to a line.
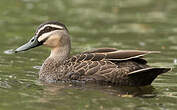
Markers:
102,65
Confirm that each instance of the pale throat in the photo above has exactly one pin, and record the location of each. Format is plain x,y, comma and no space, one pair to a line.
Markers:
60,53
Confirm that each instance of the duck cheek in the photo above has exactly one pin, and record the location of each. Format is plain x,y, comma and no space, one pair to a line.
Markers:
50,44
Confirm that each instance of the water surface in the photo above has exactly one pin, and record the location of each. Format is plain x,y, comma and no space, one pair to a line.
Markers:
123,24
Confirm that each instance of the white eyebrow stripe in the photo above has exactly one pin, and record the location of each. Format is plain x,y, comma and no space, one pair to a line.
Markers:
45,36
51,25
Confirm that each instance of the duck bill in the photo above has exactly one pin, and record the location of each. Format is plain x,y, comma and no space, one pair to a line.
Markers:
31,44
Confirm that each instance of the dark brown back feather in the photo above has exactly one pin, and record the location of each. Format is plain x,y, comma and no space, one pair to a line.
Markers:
113,55
145,76
111,66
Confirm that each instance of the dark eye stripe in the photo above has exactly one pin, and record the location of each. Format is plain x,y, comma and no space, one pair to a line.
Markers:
47,29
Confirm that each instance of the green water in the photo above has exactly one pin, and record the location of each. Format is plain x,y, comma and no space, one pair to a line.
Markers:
123,24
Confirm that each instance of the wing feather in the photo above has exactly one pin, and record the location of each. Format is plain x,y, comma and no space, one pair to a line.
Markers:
121,67
111,54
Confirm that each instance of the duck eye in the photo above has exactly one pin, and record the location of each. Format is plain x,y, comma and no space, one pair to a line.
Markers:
48,28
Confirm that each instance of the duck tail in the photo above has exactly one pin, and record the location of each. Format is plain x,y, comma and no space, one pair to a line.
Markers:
145,76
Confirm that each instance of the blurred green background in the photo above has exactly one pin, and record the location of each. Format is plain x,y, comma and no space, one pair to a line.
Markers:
123,24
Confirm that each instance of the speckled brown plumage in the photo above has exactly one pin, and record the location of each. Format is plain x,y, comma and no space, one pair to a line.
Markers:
103,65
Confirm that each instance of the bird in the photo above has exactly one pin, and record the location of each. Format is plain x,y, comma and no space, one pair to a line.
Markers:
102,65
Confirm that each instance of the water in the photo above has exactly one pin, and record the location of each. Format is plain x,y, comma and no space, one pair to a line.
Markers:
123,24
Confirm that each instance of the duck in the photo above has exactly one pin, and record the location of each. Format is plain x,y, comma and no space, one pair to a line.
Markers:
101,65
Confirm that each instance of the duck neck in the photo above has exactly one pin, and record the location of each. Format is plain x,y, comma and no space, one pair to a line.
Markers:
59,54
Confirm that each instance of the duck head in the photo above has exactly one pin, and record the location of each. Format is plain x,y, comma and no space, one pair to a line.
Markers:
51,34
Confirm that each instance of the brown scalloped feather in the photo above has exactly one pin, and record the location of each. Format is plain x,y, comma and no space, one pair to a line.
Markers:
105,65
110,54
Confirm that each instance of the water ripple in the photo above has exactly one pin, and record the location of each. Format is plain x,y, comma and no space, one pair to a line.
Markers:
4,84
10,51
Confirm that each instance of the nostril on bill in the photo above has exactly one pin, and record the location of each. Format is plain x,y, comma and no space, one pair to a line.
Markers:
32,40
